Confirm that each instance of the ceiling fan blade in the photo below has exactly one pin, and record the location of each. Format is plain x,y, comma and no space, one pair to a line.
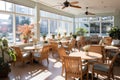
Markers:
89,13
63,7
74,2
75,6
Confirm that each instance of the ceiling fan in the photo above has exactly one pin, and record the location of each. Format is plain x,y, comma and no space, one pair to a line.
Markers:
88,13
70,4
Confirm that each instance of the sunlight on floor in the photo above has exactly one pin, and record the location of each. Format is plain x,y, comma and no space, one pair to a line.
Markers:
42,75
59,78
52,60
57,65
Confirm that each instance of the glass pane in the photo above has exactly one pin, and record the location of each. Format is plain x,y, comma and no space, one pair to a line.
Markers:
83,19
53,27
94,19
61,27
2,5
42,13
106,26
85,26
9,6
30,11
21,9
94,28
44,27
21,20
107,18
6,27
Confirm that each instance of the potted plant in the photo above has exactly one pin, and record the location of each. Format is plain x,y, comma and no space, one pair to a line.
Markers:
4,63
115,34
53,36
44,37
81,31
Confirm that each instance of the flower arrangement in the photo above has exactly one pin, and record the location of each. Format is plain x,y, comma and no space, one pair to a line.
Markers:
86,48
25,31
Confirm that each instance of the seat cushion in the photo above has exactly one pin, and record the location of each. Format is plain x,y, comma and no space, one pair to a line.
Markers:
84,68
25,55
101,67
36,54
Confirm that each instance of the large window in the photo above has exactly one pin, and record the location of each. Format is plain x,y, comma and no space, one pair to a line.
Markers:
96,25
6,28
21,14
53,23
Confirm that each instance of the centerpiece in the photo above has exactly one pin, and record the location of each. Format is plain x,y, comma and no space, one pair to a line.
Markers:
86,49
25,32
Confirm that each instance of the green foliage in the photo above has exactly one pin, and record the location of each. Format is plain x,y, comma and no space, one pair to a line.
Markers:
114,33
81,31
4,65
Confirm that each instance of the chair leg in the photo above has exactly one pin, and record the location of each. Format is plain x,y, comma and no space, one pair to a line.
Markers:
108,76
112,75
62,69
87,75
47,61
65,76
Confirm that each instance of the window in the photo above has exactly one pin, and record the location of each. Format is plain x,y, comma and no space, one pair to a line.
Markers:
96,25
44,27
21,20
53,23
53,27
95,28
6,27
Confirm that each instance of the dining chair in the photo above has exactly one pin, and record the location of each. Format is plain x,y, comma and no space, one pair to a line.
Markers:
70,46
74,67
41,55
21,56
81,42
104,69
62,52
98,49
54,48
107,40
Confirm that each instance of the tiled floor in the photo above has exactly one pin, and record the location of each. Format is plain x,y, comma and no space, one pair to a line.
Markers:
43,72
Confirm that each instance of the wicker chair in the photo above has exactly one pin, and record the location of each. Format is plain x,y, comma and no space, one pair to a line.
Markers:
21,56
107,40
54,48
98,49
105,69
74,68
62,52
42,54
70,46
81,42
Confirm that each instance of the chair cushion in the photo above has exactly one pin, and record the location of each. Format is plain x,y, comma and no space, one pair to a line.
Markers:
84,68
36,54
25,55
101,67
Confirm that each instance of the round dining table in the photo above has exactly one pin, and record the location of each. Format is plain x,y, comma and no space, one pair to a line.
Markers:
86,55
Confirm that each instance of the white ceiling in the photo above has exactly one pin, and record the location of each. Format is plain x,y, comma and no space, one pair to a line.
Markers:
95,6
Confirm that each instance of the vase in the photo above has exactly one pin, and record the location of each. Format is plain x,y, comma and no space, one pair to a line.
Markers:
25,40
86,53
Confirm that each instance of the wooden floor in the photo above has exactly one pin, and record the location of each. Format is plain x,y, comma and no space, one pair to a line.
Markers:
43,72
